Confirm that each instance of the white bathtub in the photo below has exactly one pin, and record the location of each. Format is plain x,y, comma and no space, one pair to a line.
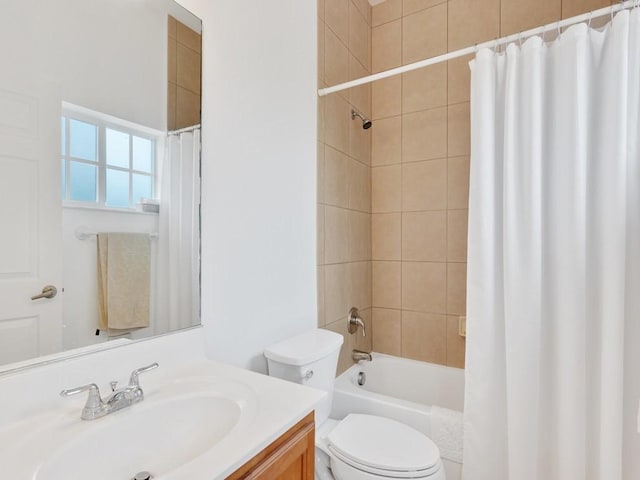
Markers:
401,389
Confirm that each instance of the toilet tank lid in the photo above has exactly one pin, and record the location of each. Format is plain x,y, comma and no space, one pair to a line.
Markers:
305,348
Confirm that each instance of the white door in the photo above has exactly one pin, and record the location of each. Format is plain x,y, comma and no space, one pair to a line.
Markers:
30,219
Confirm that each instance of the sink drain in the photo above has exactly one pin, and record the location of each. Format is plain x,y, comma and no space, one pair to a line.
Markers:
142,476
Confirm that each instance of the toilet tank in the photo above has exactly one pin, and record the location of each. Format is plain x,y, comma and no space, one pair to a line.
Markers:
309,359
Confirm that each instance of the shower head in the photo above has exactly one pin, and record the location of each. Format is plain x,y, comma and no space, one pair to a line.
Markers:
366,123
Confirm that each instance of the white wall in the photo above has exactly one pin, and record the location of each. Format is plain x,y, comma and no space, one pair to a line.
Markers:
259,174
115,52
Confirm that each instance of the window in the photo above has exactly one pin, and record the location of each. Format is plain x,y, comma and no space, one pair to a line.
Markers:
106,164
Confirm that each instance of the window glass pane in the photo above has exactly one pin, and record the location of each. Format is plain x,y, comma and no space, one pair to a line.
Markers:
64,179
83,140
142,154
117,148
63,135
117,188
82,180
141,187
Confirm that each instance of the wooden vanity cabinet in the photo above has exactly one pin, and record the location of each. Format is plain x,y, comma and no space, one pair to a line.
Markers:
290,457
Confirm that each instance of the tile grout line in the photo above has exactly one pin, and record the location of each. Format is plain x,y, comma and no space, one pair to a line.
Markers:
402,353
446,279
371,314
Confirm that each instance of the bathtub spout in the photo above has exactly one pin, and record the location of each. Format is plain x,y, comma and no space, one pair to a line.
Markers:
359,355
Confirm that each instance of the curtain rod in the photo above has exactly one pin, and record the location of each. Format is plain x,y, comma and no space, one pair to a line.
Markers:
192,128
490,44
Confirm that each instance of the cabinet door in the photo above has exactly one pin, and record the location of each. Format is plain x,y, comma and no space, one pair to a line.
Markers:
291,457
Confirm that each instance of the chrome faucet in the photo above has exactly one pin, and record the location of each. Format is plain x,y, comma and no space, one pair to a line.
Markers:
120,398
359,355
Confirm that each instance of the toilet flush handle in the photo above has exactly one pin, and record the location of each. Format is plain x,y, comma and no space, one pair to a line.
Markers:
307,375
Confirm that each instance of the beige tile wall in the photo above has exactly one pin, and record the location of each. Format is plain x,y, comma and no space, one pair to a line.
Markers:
420,164
344,172
184,52
401,254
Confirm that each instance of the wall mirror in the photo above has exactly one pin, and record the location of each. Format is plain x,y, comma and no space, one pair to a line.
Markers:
99,173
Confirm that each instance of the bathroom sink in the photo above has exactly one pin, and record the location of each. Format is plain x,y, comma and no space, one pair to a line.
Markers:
156,439
173,426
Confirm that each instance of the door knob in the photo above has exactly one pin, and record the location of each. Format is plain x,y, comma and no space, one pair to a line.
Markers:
48,291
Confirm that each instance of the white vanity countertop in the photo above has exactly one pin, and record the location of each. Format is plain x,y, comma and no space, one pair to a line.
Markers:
43,437
173,444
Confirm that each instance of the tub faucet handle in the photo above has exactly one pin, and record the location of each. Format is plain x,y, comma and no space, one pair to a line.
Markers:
354,321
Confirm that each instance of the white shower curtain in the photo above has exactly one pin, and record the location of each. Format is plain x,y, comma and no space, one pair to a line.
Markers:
178,285
553,268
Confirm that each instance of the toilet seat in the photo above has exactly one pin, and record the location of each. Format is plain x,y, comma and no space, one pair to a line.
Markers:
377,472
384,447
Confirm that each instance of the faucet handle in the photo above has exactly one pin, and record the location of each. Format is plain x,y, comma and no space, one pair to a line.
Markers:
92,388
94,407
354,321
133,379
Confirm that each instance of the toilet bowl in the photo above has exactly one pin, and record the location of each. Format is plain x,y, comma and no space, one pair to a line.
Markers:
369,447
359,447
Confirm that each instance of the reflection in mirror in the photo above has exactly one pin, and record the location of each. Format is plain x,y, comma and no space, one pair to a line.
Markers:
99,173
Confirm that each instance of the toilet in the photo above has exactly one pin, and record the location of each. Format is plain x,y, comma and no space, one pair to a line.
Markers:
359,447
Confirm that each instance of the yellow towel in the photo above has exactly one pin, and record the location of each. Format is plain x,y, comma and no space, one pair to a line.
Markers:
123,280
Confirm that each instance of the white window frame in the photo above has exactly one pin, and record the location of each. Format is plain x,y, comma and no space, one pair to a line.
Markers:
102,122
